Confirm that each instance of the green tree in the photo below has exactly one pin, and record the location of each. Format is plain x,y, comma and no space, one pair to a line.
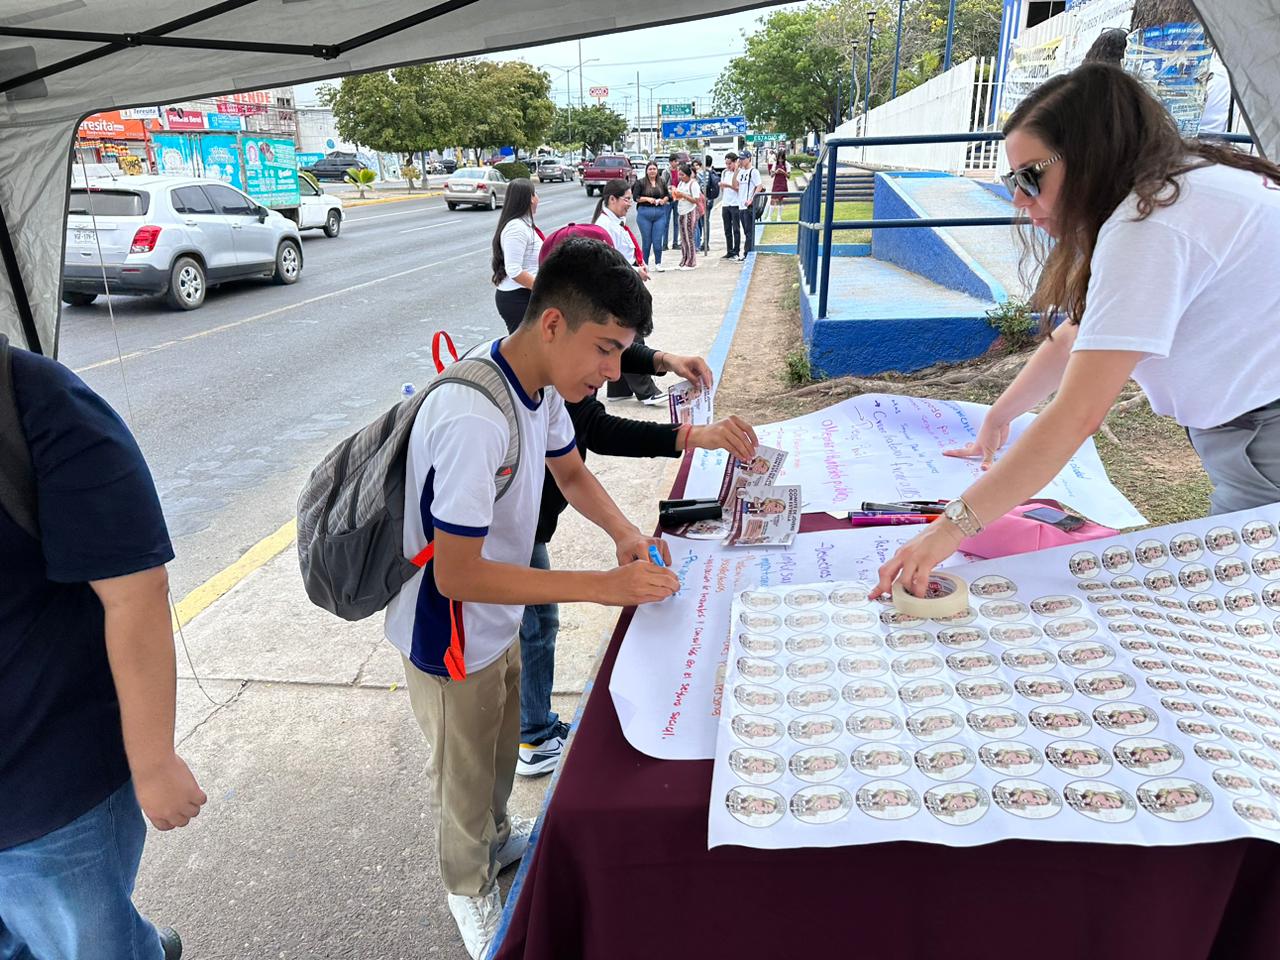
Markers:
377,111
596,126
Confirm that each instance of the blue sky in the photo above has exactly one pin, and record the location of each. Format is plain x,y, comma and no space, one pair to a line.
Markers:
681,60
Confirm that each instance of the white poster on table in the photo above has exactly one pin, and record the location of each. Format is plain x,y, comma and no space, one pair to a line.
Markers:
889,448
668,678
1124,690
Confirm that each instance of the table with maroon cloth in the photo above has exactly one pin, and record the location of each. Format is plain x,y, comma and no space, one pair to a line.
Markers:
621,869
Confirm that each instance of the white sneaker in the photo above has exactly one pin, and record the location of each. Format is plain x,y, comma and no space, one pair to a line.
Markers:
538,758
657,400
659,268
477,919
517,843
683,267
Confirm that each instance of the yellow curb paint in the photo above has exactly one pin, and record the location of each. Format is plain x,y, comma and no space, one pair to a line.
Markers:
347,204
261,553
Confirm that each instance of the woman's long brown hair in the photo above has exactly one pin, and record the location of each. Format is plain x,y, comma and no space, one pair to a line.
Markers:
1115,139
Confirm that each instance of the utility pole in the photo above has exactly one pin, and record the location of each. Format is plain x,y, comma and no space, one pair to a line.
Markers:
639,110
897,51
581,99
951,32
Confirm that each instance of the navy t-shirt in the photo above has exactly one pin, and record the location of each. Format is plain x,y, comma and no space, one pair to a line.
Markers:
61,749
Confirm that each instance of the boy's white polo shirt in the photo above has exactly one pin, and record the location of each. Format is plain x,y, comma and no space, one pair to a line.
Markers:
457,444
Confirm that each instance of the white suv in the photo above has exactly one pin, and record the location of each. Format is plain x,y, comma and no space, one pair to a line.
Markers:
175,236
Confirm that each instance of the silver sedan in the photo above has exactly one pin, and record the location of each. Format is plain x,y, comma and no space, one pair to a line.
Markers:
476,186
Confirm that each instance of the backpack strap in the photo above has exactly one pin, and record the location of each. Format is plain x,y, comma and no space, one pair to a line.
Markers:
17,476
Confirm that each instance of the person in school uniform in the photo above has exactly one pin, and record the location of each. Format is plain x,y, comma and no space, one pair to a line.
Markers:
748,186
730,211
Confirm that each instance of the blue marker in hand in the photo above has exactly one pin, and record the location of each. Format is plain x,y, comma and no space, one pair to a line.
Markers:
655,556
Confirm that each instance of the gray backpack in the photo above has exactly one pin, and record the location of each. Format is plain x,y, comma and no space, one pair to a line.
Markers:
351,511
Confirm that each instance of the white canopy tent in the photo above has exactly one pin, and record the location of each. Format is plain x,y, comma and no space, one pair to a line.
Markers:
62,60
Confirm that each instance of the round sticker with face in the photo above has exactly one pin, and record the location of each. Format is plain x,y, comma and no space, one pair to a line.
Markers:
1258,534
906,641
1084,565
1151,616
1271,786
1065,722
1125,583
753,697
924,693
957,804
984,691
1079,758
1217,755
1260,762
1239,735
1029,799
1175,798
880,760
755,806
1103,802
760,646
868,693
998,723
945,761
812,697
961,619
810,669
1185,547
1256,812
821,804
1011,758
1105,685
1231,571
917,665
1222,541
1198,729
1071,628
1016,634
850,595
1027,661
807,620
1138,645
1195,577
962,638
1151,665
1126,719
874,725
1117,559
1124,628
804,644
1205,607
1160,582
760,622
888,800
817,764
1148,757
1056,605
862,666
973,664
1221,711
814,731
759,671
934,724
1088,653
1164,685
759,600
1043,689
1266,565
1004,610
1236,783
857,641
1112,611
1202,688
1151,553
805,598
1242,602
1271,596
896,618
1181,620
854,619
993,588
756,731
1091,586
755,766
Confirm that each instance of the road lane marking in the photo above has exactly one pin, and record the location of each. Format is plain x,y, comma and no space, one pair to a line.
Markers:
276,312
442,223
261,553
352,221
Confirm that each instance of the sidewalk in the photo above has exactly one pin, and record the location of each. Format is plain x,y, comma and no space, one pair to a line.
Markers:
316,841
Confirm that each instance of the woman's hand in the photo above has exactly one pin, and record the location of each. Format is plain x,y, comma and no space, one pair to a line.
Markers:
918,557
992,435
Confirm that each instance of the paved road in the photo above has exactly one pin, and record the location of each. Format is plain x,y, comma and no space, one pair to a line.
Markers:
234,403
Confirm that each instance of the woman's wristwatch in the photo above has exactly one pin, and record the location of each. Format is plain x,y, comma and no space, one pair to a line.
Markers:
962,515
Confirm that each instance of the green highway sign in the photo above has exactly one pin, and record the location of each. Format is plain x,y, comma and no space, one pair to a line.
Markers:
676,109
765,137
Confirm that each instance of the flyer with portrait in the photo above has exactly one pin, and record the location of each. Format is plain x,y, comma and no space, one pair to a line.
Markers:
765,517
691,404
1126,690
739,475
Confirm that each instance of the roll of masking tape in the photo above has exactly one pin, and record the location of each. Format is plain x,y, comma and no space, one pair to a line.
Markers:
945,596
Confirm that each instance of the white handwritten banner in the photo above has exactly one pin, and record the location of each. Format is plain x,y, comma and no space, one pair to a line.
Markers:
668,680
886,447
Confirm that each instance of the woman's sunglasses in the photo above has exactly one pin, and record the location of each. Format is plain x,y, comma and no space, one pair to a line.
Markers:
1027,179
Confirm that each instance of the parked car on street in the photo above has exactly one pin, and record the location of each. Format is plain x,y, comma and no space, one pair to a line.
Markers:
334,166
446,165
638,162
476,187
318,210
175,236
555,168
604,168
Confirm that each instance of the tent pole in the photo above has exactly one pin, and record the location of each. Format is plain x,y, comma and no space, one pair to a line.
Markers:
18,286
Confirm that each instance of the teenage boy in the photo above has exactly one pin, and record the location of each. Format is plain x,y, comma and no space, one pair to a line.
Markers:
748,186
730,211
87,673
457,621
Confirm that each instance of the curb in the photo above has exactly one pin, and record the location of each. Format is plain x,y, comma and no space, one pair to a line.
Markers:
348,204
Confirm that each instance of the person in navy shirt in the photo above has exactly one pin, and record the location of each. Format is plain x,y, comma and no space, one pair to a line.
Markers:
87,682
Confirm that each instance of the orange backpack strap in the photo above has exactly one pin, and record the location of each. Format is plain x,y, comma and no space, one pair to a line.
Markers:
442,336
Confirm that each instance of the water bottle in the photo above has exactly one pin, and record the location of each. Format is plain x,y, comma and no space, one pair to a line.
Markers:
406,391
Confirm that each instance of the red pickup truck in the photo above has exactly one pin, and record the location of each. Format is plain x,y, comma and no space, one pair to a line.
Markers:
604,168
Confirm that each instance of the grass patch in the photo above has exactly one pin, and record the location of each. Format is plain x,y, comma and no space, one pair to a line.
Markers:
799,372
845,210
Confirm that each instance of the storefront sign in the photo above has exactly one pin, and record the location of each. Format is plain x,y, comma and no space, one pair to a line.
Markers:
111,126
223,121
271,172
177,118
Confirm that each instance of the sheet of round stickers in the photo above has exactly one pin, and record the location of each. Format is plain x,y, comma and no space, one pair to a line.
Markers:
1121,691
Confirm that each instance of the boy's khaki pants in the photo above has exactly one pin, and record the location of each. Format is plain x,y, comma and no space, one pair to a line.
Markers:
473,728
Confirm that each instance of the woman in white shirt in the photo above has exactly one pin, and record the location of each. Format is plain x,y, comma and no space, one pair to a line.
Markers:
516,243
687,193
611,214
1163,270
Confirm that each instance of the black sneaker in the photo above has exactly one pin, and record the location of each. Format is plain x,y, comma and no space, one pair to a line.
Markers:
727,256
170,943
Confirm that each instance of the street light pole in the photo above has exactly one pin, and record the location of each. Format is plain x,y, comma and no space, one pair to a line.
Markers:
951,31
853,82
897,51
871,35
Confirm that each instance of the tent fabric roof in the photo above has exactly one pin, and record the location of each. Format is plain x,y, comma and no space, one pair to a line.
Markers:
280,42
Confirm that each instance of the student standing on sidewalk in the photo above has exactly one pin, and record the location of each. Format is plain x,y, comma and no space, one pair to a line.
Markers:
516,242
730,212
687,194
780,185
673,217
88,683
650,195
711,191
748,186
457,621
